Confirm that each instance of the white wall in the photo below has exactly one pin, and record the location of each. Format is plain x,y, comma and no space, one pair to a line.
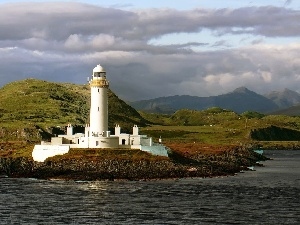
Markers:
98,111
104,142
41,152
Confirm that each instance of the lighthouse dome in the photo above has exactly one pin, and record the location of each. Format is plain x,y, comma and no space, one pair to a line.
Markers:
98,68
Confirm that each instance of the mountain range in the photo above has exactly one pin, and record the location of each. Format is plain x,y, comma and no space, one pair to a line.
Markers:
240,100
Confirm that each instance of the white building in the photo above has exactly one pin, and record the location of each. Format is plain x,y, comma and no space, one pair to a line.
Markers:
96,134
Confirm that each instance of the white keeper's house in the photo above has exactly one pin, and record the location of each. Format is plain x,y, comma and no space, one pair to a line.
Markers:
96,134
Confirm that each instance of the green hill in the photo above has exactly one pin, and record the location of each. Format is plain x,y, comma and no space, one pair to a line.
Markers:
30,104
33,109
216,125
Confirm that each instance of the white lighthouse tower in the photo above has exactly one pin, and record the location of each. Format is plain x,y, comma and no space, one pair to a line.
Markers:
97,134
99,103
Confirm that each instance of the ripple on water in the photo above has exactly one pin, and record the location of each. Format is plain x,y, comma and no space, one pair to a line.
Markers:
269,195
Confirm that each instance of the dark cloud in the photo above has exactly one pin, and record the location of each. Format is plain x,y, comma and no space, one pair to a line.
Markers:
57,21
64,41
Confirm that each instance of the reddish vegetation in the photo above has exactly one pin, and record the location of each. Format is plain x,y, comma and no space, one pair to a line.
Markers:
8,148
189,149
185,160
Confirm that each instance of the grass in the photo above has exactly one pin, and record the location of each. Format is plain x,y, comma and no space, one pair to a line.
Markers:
111,154
30,109
214,125
201,134
15,149
31,102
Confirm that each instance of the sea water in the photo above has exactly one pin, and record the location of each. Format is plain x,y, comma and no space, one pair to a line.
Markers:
268,195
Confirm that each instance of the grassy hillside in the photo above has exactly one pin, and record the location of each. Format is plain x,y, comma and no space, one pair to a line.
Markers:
43,102
32,110
219,126
41,105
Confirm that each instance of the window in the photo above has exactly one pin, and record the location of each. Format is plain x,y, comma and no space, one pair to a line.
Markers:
96,74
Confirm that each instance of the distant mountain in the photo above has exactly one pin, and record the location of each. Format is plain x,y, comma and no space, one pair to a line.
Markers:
285,98
291,111
240,100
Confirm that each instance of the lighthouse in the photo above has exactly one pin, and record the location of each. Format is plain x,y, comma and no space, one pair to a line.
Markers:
97,135
99,103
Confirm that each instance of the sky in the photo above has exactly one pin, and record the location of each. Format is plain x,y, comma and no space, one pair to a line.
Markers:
154,48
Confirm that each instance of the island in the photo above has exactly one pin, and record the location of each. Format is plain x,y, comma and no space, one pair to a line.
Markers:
111,164
37,119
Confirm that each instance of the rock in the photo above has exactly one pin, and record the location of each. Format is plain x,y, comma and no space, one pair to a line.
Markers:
100,168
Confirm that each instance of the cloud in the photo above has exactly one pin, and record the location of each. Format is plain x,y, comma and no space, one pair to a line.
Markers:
96,43
64,41
60,20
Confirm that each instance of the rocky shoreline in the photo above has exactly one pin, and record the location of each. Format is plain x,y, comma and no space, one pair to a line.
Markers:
91,167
